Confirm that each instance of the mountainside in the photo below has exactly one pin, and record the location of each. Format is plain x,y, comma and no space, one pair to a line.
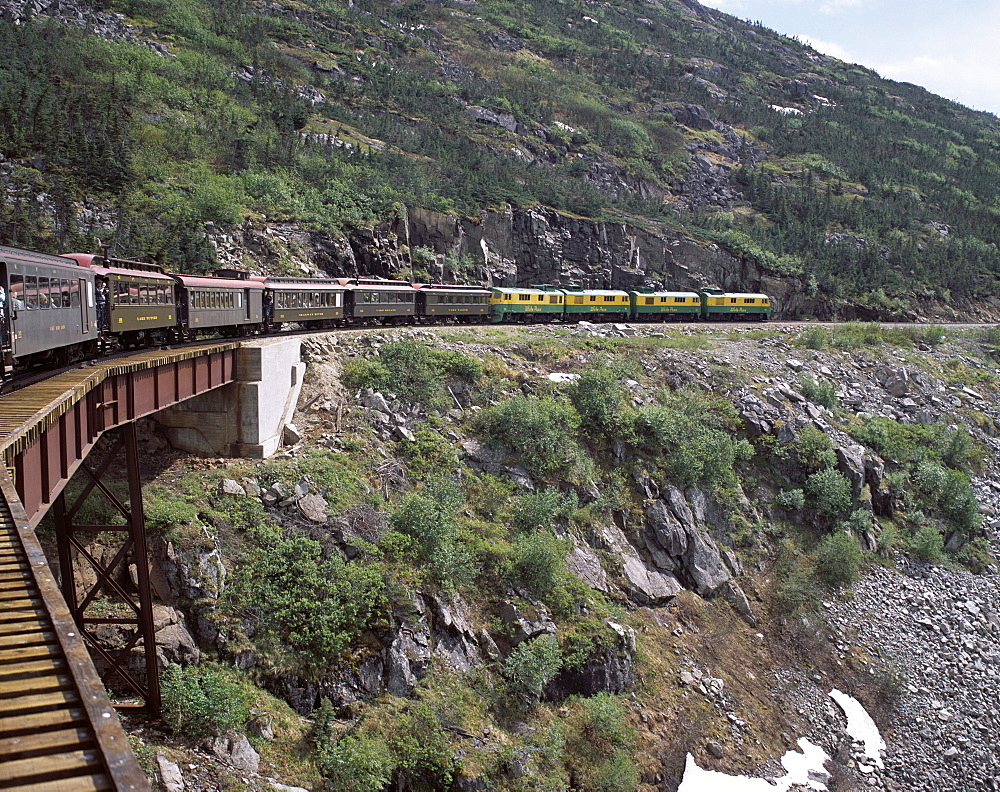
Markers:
496,140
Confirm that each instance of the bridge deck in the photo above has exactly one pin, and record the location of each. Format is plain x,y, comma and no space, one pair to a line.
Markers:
58,731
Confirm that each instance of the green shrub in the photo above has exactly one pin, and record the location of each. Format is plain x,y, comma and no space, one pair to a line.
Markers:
346,761
838,560
928,544
413,370
198,702
366,373
815,338
540,566
164,509
798,590
599,743
688,436
540,509
829,492
427,452
530,667
950,492
541,431
792,500
600,397
428,517
408,744
812,449
306,602
822,393
913,442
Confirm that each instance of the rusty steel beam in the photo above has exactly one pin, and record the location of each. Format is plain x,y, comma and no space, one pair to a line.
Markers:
52,426
109,575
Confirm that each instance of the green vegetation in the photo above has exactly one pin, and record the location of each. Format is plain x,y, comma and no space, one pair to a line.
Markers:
541,431
306,604
413,370
198,702
690,435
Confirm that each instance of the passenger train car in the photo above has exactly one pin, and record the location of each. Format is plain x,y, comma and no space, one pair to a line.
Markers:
55,309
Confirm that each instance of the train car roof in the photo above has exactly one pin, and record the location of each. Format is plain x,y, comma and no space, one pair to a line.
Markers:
102,262
663,293
87,260
217,283
450,287
739,295
305,283
601,292
514,290
31,256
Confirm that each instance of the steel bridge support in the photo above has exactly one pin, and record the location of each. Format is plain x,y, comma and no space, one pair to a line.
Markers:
127,604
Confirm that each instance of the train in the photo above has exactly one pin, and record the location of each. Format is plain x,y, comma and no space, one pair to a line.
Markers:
57,309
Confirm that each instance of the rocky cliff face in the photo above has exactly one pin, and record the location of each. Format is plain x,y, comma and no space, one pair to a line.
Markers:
517,247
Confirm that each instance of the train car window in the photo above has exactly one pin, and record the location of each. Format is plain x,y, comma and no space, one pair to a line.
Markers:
31,292
751,301
74,293
732,300
340,299
38,297
17,302
65,293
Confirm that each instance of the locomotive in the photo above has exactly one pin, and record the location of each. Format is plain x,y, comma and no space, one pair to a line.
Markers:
55,310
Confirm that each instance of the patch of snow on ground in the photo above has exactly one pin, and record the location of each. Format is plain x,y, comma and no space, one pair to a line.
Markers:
804,769
860,726
558,376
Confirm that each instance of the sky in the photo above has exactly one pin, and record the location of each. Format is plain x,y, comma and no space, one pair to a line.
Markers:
951,48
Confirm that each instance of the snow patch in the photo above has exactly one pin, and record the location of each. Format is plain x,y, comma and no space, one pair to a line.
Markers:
786,110
803,769
558,376
861,727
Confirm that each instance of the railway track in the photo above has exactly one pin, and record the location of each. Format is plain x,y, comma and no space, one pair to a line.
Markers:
58,731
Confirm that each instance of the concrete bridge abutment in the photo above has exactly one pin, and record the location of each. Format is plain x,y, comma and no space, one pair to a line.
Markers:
245,418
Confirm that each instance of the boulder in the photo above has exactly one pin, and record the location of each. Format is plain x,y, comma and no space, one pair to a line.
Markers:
647,586
525,620
583,562
234,750
610,669
313,508
230,487
703,566
407,661
176,646
851,462
667,530
170,774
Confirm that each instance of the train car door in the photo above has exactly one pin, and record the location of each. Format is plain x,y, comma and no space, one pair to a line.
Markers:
6,308
246,303
85,296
